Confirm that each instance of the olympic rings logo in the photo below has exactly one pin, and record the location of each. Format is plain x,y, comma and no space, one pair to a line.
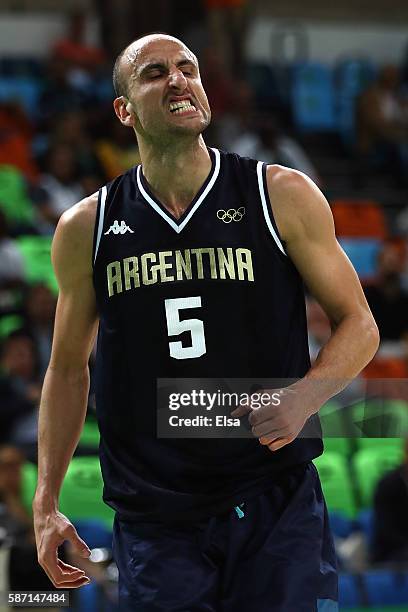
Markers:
231,214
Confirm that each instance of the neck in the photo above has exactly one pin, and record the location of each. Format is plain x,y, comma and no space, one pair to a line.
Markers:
175,173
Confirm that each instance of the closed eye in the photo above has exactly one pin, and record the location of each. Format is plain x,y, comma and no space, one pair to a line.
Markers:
155,75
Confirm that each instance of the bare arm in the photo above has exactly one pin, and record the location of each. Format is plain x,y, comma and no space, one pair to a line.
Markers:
306,225
66,385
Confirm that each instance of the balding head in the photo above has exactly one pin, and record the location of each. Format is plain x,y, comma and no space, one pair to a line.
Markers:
127,59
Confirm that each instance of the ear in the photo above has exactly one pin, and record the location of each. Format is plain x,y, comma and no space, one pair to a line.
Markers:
124,111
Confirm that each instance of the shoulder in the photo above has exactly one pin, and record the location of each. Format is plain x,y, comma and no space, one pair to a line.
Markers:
289,184
78,221
73,239
297,202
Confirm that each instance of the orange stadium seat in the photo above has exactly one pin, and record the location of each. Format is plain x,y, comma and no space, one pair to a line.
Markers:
359,218
386,367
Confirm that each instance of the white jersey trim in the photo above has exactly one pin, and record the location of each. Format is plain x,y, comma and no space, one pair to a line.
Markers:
179,227
265,207
104,193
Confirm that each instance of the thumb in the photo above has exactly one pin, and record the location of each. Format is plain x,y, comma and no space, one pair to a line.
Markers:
78,544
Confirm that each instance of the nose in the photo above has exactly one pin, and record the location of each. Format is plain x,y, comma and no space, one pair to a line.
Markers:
177,80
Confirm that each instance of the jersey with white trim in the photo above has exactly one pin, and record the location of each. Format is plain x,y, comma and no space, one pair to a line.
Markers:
209,295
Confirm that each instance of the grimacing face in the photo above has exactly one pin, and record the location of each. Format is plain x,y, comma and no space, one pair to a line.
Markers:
165,96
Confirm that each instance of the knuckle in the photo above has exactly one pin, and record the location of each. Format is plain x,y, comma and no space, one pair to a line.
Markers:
252,418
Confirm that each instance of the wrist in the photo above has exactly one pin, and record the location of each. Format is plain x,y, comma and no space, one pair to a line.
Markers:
45,502
311,395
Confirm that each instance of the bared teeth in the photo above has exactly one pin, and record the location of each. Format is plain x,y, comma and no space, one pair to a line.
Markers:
179,107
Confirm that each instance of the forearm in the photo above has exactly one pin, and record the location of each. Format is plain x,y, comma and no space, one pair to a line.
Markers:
62,414
350,348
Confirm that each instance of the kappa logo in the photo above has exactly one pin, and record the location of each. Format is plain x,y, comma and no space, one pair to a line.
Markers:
231,214
119,229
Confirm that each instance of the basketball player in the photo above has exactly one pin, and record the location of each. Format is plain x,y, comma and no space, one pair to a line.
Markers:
193,264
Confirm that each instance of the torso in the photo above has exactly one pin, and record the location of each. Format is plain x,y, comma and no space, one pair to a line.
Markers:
221,269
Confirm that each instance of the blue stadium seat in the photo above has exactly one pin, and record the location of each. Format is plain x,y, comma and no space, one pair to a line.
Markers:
386,587
88,598
349,596
313,98
365,523
95,533
21,66
341,525
363,253
351,77
23,89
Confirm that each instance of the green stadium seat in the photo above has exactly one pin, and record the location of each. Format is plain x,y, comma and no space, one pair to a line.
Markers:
28,484
81,492
90,434
332,419
381,418
10,323
369,465
14,200
36,251
337,445
336,483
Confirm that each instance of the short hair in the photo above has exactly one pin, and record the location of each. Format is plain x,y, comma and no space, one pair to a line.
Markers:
119,82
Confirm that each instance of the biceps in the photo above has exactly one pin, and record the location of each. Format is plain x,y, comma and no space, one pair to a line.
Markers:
331,278
76,323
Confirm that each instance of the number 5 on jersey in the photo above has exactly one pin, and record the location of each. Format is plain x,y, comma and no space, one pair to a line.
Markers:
175,327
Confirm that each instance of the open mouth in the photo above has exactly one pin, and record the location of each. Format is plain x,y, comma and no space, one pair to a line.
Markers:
178,108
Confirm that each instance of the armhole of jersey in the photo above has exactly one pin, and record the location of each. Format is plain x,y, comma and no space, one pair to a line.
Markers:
100,217
267,208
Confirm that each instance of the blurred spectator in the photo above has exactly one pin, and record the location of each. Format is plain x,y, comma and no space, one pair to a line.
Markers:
11,260
250,134
60,184
382,124
117,151
387,299
228,23
24,572
73,48
40,308
20,388
70,130
237,125
58,96
217,83
16,133
390,541
404,70
269,144
14,515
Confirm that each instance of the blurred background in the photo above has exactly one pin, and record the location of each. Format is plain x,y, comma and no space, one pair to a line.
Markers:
319,87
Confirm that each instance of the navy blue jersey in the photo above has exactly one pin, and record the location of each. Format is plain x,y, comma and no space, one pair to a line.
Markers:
211,294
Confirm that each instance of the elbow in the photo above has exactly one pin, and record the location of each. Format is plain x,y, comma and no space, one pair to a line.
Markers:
372,336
